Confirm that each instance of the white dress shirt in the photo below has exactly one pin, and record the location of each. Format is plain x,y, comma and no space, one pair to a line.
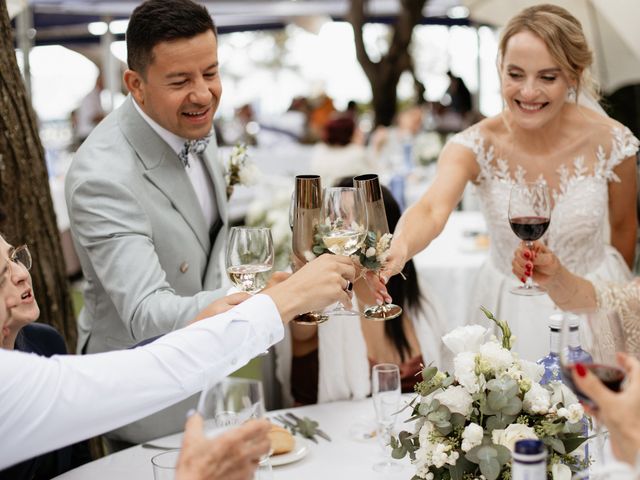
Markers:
46,403
196,171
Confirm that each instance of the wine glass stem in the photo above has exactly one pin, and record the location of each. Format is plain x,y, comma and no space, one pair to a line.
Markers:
528,283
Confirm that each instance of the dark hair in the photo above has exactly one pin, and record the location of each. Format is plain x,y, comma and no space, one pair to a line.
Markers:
405,293
156,21
339,130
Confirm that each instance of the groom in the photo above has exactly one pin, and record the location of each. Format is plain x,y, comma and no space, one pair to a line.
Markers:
145,195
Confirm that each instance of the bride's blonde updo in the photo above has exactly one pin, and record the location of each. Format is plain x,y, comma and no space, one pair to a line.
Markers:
562,33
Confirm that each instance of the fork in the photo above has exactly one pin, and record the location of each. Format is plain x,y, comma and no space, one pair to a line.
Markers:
292,426
319,432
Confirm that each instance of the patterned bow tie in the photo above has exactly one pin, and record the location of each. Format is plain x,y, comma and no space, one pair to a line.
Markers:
196,147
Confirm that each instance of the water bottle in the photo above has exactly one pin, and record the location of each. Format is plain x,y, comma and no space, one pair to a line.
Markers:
551,362
576,353
529,460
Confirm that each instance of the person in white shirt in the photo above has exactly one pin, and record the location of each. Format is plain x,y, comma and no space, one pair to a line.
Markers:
50,402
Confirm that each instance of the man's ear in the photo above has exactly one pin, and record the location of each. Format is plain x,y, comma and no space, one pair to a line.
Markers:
135,84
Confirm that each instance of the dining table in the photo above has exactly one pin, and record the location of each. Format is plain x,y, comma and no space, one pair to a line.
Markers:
350,454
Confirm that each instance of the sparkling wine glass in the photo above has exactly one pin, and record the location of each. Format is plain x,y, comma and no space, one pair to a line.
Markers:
249,258
529,217
344,218
230,403
600,335
386,391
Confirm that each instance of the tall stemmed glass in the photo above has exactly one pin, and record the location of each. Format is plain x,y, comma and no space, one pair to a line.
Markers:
529,217
600,333
385,390
230,403
344,227
249,258
304,215
369,185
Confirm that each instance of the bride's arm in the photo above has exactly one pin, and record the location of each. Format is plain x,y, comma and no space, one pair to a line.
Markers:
622,210
423,221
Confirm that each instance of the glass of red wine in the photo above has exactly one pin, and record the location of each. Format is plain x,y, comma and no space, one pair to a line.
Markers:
529,216
592,339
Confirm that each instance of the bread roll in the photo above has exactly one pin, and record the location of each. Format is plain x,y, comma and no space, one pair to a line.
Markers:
281,440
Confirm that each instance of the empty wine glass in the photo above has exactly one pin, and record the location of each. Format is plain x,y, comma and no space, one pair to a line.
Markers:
344,218
592,340
529,217
385,390
230,403
249,258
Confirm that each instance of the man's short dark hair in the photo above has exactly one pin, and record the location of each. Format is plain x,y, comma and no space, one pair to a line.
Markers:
156,21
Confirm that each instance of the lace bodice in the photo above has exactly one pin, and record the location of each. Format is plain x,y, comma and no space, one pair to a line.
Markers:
625,301
577,232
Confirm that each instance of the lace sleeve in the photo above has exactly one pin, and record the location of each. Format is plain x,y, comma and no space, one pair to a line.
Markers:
625,301
623,145
472,139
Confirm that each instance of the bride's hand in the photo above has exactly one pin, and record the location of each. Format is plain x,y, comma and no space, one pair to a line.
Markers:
394,263
538,262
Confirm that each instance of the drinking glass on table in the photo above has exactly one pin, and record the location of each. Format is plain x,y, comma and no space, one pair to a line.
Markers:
230,403
385,391
529,217
600,334
164,465
345,226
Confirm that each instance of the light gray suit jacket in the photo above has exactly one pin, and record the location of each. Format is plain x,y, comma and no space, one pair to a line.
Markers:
140,234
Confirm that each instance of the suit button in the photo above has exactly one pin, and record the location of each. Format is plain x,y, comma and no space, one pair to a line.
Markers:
184,266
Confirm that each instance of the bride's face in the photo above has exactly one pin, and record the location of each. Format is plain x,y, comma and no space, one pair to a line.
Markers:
534,87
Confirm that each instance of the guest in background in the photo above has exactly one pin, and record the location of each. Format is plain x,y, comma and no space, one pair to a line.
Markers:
321,112
333,362
341,153
90,112
460,100
391,147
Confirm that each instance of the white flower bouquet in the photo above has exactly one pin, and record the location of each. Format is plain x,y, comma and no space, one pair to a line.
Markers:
466,423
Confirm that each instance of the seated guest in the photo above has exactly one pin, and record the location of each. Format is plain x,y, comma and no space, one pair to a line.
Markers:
571,292
334,362
48,403
341,153
21,334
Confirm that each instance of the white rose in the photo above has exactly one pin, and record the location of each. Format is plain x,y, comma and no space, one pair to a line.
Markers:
371,252
471,436
531,370
464,371
560,393
573,413
456,398
559,471
537,400
465,339
494,357
514,432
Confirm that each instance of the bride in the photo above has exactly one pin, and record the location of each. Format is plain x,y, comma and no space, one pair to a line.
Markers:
545,133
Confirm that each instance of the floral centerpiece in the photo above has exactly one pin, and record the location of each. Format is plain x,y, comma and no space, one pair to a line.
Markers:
466,423
238,169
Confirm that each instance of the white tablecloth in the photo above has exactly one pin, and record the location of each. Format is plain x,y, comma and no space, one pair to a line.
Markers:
449,266
344,457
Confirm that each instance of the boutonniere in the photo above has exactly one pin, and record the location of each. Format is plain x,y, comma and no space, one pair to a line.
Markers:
239,170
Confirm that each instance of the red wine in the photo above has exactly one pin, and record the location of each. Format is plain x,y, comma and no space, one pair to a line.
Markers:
529,228
611,377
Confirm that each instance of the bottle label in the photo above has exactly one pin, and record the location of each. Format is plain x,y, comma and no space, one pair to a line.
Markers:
534,471
554,341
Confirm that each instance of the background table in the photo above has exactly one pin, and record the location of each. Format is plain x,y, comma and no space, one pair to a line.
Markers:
343,457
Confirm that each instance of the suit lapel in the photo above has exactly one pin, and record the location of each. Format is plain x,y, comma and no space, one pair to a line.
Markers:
216,173
162,167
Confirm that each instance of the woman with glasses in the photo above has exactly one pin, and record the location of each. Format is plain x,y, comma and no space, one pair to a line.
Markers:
22,334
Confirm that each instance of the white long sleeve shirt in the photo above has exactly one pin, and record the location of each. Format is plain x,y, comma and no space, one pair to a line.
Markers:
46,403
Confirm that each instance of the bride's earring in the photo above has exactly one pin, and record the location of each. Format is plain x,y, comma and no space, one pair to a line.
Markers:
571,94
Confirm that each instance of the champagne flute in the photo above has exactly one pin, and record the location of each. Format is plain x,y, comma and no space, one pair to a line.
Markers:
377,220
385,391
601,334
230,403
529,217
344,227
304,215
249,258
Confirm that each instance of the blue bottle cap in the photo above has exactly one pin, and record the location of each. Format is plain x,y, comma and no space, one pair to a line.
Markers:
529,447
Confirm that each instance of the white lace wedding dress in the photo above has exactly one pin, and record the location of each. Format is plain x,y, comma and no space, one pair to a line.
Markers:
578,232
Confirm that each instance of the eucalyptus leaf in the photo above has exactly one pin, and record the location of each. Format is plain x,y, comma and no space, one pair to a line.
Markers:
490,468
428,373
555,443
461,467
399,453
570,444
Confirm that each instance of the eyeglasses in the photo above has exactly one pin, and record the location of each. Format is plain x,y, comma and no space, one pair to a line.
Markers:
21,255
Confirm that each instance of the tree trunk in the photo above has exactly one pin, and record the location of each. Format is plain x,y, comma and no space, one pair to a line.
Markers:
25,195
385,74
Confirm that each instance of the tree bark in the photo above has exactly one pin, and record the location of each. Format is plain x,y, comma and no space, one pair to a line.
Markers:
25,195
385,74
